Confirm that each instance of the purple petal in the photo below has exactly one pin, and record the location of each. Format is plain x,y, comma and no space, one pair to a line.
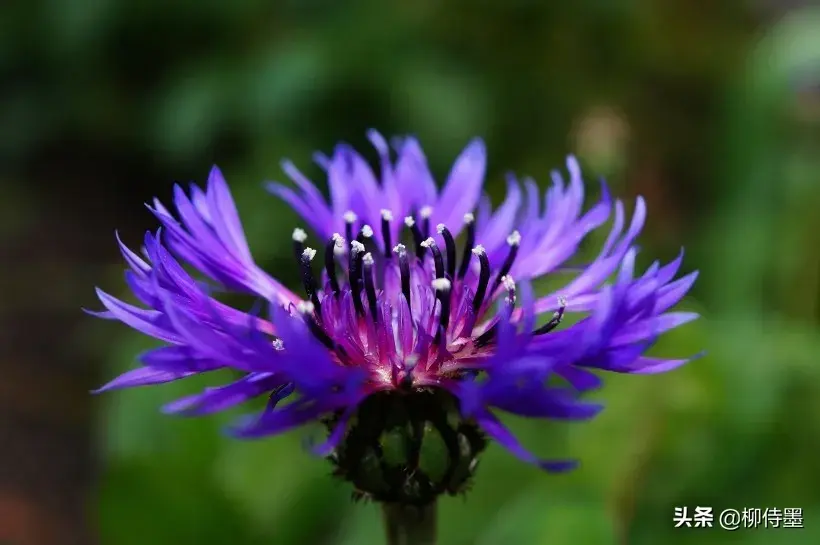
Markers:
225,217
463,188
213,400
500,434
142,376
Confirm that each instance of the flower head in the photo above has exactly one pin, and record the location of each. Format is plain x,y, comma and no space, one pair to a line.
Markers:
405,340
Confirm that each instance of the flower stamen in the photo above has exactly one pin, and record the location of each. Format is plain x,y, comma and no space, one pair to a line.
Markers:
469,222
299,237
438,260
369,286
450,248
514,241
404,272
418,238
335,244
555,320
387,217
424,214
483,279
442,287
308,280
357,253
488,336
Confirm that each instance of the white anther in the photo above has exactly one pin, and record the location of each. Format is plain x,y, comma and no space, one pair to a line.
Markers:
299,235
309,253
440,228
338,245
562,301
426,212
350,216
387,215
400,249
441,284
357,246
469,218
305,307
368,259
479,250
367,231
508,281
409,221
278,344
514,239
426,243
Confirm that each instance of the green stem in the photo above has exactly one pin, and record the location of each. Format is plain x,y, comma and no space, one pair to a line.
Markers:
410,524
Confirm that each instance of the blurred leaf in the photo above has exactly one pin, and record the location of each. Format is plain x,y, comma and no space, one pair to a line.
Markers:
135,428
144,502
539,516
275,482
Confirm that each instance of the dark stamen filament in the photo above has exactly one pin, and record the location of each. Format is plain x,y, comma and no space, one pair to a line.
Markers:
438,260
425,214
387,217
450,248
369,287
469,221
335,244
556,318
514,240
418,238
307,310
404,270
308,279
483,279
355,275
489,335
350,221
299,238
442,287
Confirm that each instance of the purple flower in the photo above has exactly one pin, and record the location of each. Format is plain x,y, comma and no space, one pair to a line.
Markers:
398,315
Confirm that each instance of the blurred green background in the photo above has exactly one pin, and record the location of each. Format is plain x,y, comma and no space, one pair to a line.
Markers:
710,109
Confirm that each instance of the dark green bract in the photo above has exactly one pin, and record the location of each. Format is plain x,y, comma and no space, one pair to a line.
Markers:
409,446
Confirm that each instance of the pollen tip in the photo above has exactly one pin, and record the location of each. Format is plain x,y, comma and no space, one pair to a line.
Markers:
299,235
367,231
562,300
479,250
305,307
350,216
441,284
387,215
426,243
400,249
357,247
440,228
368,259
278,344
338,240
469,218
309,253
426,211
514,239
409,221
508,281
